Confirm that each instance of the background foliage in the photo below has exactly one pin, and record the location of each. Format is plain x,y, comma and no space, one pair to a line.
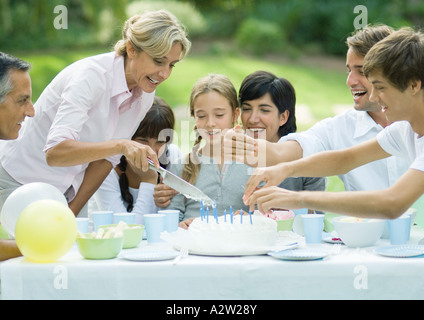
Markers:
289,26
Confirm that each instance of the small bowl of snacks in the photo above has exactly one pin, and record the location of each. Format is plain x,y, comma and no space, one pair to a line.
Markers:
132,233
358,232
98,246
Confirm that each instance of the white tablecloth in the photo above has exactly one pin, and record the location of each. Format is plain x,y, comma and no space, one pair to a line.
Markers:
354,273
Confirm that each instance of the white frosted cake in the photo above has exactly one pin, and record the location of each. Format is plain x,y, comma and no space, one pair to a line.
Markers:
211,236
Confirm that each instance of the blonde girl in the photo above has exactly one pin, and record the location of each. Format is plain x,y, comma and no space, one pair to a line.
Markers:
214,107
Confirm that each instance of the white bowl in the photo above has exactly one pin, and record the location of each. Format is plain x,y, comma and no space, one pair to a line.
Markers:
356,232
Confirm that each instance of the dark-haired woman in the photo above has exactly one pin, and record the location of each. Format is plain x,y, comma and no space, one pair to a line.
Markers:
268,112
129,189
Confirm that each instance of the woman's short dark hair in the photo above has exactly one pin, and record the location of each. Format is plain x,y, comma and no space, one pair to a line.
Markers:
282,93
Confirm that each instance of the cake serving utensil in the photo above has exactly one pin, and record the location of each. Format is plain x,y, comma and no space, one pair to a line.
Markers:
182,186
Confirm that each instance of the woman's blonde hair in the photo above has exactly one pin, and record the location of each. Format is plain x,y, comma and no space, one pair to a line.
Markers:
154,32
213,82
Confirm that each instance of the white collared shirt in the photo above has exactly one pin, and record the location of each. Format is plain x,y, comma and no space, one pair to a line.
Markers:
346,130
400,140
88,101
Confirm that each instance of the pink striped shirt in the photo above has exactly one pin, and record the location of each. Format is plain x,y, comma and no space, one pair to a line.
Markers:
88,101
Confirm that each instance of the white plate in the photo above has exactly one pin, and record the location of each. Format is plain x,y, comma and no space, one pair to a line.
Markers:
149,255
229,253
400,251
299,254
280,245
181,238
332,240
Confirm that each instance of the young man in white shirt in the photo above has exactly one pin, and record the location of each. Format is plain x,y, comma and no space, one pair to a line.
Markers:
395,68
360,124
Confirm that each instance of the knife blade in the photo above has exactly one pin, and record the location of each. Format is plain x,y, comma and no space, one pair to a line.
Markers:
182,186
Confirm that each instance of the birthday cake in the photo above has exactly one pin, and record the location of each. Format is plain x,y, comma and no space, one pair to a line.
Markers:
232,235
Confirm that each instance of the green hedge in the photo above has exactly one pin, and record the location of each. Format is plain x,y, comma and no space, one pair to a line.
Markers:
260,36
258,26
319,24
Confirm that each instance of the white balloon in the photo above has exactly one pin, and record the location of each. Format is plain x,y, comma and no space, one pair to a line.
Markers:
23,197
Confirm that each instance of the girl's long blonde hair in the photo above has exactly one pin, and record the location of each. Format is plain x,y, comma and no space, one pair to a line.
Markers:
213,82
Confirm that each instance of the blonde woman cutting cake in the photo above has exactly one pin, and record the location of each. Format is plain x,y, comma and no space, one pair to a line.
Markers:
86,116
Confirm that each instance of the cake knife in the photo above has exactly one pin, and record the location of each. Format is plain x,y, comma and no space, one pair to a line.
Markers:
181,185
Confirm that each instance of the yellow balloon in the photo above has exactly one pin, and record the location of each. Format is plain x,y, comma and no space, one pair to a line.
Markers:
45,230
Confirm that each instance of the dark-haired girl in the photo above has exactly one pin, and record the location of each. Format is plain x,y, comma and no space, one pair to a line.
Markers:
129,189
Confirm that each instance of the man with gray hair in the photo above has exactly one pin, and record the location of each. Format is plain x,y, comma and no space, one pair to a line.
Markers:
15,95
15,106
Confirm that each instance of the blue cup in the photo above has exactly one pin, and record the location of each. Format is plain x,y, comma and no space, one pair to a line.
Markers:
300,211
127,217
313,226
101,218
172,218
154,224
399,229
82,225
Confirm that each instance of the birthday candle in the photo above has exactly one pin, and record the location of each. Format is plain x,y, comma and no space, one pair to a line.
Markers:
207,214
225,215
202,210
231,214
241,215
250,215
215,214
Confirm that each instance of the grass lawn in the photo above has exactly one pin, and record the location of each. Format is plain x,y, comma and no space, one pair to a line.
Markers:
319,85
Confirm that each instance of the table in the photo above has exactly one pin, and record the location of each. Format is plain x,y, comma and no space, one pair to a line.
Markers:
353,273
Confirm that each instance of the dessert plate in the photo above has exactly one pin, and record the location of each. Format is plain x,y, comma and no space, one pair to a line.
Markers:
252,252
400,251
150,255
181,239
332,240
299,254
281,244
